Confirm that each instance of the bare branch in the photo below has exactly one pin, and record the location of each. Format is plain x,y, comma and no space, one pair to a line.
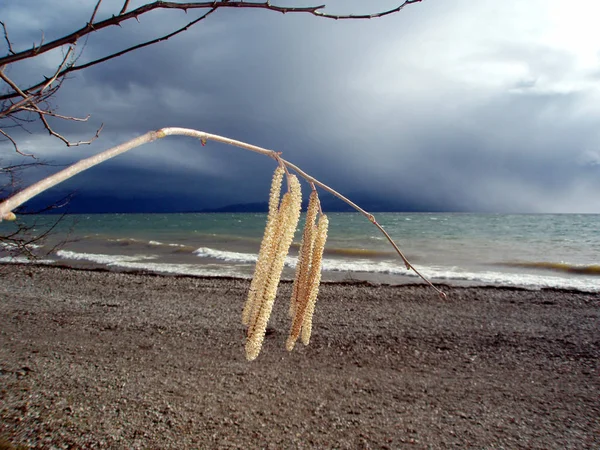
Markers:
124,8
68,143
8,205
399,8
34,51
59,70
136,47
6,38
42,113
116,20
31,99
53,114
22,242
7,136
94,13
12,84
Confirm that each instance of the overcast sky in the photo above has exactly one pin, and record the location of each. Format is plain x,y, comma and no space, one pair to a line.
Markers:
487,105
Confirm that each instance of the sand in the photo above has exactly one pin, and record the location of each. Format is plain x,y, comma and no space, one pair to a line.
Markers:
114,360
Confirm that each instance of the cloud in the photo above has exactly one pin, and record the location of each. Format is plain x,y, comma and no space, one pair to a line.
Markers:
459,105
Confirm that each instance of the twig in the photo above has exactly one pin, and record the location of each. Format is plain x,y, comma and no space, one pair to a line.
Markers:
7,136
6,38
42,113
59,70
18,199
53,114
124,8
138,46
12,84
135,13
91,22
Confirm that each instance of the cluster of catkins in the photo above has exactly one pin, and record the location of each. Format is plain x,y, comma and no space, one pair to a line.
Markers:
279,233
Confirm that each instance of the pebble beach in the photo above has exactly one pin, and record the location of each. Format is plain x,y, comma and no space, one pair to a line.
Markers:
99,359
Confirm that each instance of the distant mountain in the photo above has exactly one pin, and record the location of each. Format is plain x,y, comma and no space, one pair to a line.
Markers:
369,202
86,203
259,207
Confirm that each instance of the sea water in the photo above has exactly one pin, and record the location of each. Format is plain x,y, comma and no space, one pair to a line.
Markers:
534,251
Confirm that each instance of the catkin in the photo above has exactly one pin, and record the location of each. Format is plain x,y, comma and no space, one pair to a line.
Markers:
266,291
304,255
262,286
303,319
315,280
266,244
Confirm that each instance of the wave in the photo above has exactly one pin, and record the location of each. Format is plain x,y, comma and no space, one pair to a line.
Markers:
582,269
223,255
239,267
159,244
108,260
525,280
364,252
141,262
185,269
23,260
12,245
125,241
290,260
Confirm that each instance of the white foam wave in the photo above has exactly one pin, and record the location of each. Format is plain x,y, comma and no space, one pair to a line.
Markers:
589,284
205,252
436,274
123,239
24,260
12,245
185,269
139,262
162,243
109,260
236,257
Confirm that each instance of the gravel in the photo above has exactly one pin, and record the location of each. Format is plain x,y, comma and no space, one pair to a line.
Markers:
93,359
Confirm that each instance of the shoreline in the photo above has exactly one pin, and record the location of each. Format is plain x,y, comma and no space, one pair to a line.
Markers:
343,280
105,359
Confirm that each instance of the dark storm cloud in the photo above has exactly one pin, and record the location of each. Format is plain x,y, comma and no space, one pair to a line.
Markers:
411,107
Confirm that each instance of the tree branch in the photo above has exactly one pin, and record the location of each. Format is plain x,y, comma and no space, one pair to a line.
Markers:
116,20
135,47
91,21
42,115
124,8
7,136
8,205
8,43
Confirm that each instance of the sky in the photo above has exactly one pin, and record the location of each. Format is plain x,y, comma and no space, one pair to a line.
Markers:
488,105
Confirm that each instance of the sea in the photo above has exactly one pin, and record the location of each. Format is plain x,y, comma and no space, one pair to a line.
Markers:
532,251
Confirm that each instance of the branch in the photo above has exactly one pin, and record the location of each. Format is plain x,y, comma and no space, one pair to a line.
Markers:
8,43
116,20
94,13
59,70
33,99
124,8
8,205
17,245
53,114
135,47
42,114
12,84
7,136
